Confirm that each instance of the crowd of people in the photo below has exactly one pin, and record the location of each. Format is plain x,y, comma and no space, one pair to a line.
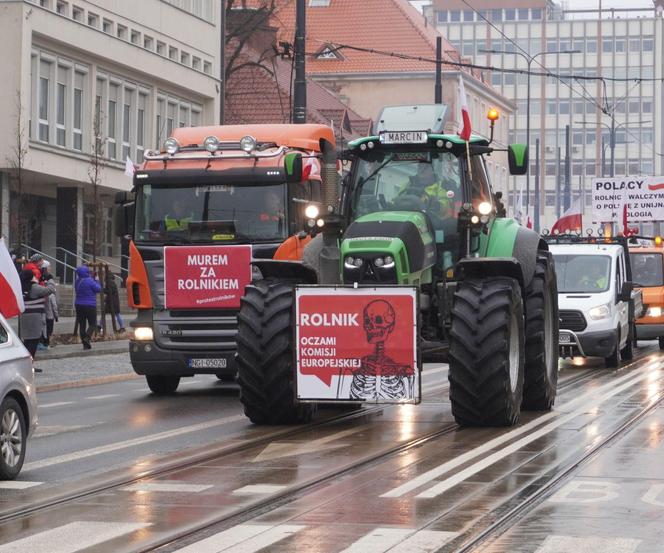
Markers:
38,286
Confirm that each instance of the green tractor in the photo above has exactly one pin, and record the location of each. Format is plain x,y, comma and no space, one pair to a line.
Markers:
418,253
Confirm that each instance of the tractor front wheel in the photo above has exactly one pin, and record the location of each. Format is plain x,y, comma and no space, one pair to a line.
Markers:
265,355
541,371
487,352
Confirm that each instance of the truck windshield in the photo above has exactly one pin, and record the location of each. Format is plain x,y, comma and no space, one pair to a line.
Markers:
583,273
647,269
211,213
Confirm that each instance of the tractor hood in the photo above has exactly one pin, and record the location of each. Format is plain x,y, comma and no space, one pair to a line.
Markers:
395,247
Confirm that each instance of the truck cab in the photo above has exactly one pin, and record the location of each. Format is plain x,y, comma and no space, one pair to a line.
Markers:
648,271
597,304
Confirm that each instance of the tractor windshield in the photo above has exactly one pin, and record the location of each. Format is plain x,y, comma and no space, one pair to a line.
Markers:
408,181
211,213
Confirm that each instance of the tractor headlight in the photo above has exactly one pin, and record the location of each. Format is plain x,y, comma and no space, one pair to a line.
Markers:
248,143
484,208
211,144
353,262
600,312
143,334
654,312
311,212
172,146
386,262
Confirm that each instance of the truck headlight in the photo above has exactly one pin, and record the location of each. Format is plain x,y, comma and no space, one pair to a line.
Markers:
599,312
143,333
353,262
654,312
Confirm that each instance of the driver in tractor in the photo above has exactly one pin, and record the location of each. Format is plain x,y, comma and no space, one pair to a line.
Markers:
595,277
179,219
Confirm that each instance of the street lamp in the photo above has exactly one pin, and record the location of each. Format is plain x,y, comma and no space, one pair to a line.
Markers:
529,60
612,138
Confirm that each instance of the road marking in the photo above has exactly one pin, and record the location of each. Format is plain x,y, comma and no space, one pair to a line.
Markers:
71,537
105,396
256,489
18,484
77,455
565,544
586,491
166,487
190,382
400,540
480,465
276,450
57,404
459,460
244,538
45,431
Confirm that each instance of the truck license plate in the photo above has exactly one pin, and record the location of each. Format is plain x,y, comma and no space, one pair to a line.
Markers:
207,363
565,338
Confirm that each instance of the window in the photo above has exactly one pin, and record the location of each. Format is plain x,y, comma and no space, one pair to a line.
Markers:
590,137
184,58
43,103
319,3
607,45
496,78
563,107
577,138
647,44
620,45
635,45
107,26
647,106
536,14
196,63
78,107
523,14
441,16
126,130
4,336
93,20
510,14
112,119
148,42
496,15
468,48
455,15
161,48
122,32
551,45
173,53
207,67
77,13
552,107
170,119
646,136
184,116
62,8
509,78
60,131
468,15
591,46
140,126
160,123
135,37
578,107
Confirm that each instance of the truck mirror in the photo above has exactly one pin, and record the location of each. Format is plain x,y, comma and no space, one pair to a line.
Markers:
626,292
517,157
121,197
293,167
123,219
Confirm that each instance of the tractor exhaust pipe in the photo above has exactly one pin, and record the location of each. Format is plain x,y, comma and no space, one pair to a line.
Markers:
329,177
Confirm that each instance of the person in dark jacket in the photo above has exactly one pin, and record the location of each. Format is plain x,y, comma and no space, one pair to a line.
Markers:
31,321
112,302
86,289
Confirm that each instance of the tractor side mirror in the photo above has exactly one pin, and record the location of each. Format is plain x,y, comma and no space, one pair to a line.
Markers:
293,167
626,292
517,157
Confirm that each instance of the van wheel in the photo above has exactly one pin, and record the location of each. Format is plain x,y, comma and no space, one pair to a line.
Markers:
613,360
627,353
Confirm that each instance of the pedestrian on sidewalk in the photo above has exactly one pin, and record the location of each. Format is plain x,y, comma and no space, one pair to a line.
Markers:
86,289
32,320
51,306
112,302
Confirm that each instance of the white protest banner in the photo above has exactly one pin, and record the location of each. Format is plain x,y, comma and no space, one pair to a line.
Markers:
643,195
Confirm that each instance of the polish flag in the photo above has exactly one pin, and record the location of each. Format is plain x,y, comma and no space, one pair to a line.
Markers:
311,168
129,167
11,295
570,220
465,131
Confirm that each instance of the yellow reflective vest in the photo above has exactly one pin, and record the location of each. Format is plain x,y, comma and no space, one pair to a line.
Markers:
177,224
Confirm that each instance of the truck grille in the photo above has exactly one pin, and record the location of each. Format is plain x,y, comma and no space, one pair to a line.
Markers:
202,331
572,320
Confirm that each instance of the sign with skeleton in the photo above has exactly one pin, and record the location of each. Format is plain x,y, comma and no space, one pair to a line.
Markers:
357,344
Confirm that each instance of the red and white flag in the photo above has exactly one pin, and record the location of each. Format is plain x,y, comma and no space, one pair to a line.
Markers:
11,295
129,167
570,220
311,167
465,131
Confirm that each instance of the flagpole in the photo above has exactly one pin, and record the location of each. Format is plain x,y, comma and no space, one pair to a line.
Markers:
470,169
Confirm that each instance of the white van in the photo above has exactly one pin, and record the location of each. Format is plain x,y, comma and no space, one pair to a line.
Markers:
597,303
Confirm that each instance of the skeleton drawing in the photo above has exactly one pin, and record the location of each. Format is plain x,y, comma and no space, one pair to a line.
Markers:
379,376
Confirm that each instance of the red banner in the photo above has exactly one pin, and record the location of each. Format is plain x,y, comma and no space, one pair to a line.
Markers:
359,343
205,277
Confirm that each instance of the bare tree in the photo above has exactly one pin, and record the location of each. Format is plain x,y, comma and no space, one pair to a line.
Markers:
95,174
16,161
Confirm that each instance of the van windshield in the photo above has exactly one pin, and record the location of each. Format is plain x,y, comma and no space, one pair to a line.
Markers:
583,273
647,269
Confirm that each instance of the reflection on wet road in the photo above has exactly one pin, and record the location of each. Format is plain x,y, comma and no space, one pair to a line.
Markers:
399,478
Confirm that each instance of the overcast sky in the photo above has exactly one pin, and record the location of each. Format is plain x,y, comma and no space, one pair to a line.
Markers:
581,4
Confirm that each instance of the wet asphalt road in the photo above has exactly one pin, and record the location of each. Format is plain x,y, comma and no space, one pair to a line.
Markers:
436,494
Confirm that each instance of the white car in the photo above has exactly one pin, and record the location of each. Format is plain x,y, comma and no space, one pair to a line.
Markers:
596,301
18,401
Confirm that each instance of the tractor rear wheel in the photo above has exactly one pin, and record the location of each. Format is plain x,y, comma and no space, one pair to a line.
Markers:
487,352
265,355
541,370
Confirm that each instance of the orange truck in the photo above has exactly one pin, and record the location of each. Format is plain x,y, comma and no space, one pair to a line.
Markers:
648,275
209,213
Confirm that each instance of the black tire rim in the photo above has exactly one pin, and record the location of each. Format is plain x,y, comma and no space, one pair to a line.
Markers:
11,438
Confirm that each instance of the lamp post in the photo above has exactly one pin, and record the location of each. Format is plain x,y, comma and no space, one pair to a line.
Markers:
529,60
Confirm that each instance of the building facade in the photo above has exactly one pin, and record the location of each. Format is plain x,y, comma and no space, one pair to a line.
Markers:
88,85
623,44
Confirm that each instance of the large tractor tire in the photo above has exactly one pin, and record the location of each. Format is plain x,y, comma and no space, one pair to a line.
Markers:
541,369
265,355
487,352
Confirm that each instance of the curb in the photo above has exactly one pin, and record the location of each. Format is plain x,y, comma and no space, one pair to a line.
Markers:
83,353
87,382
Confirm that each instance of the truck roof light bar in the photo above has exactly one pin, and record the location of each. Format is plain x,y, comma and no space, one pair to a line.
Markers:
203,154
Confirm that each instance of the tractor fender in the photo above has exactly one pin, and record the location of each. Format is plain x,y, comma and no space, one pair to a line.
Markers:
508,239
285,270
483,267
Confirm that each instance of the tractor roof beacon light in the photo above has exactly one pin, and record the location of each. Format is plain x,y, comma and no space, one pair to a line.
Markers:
211,144
658,241
492,116
172,146
248,143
